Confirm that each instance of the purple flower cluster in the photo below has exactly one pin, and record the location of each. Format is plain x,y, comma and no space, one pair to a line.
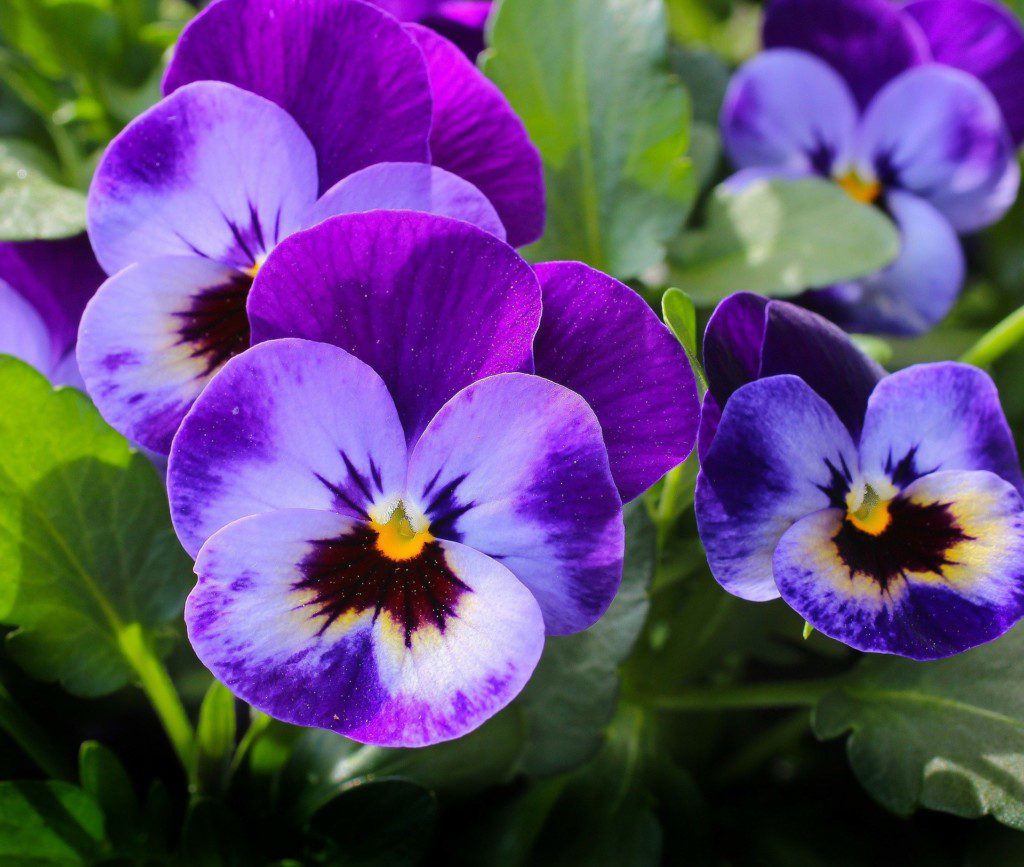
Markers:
398,452
916,108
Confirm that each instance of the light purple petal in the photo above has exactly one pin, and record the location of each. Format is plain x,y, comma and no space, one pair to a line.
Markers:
602,340
212,171
780,453
938,133
915,292
57,278
431,304
408,187
288,424
154,335
280,617
515,467
478,136
788,110
351,77
959,537
867,41
983,38
934,417
23,333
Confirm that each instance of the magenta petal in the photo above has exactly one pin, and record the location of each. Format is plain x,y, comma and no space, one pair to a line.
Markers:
347,72
599,338
983,38
431,304
478,136
867,41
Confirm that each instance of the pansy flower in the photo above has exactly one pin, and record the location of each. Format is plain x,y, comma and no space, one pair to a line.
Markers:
191,197
44,286
387,527
887,512
461,21
926,142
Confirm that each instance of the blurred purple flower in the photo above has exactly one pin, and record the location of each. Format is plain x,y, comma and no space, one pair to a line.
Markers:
44,286
886,510
460,21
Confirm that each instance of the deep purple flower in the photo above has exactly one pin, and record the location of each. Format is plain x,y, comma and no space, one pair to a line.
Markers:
461,21
886,510
44,286
387,527
930,148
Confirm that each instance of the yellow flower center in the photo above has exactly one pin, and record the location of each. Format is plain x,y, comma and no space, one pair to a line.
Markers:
397,539
859,189
871,514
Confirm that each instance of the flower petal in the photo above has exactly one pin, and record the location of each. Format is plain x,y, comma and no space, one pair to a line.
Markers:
780,454
946,576
938,133
284,616
348,73
788,110
431,304
478,136
462,22
638,381
915,292
154,335
933,417
408,187
212,171
983,38
288,424
515,466
867,41
23,333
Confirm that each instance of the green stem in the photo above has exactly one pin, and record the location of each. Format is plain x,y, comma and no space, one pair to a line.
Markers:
755,696
32,739
667,503
257,726
997,341
159,688
768,745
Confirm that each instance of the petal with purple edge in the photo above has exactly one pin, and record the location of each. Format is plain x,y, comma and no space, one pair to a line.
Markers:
983,38
932,417
912,294
408,187
431,304
946,575
602,340
478,136
788,110
867,41
780,453
515,467
288,424
348,73
298,615
212,171
938,133
154,335
23,333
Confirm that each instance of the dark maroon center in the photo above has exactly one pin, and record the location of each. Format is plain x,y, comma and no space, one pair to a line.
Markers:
216,326
349,575
917,539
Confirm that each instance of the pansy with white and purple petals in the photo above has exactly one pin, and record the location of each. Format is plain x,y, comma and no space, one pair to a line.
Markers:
914,109
191,197
887,511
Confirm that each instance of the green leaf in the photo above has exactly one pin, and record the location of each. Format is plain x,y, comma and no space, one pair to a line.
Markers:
103,776
89,564
215,735
33,206
681,317
782,237
51,823
572,695
588,78
946,735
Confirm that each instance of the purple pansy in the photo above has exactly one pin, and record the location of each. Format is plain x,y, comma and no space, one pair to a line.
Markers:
417,473
461,21
914,108
886,510
44,286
